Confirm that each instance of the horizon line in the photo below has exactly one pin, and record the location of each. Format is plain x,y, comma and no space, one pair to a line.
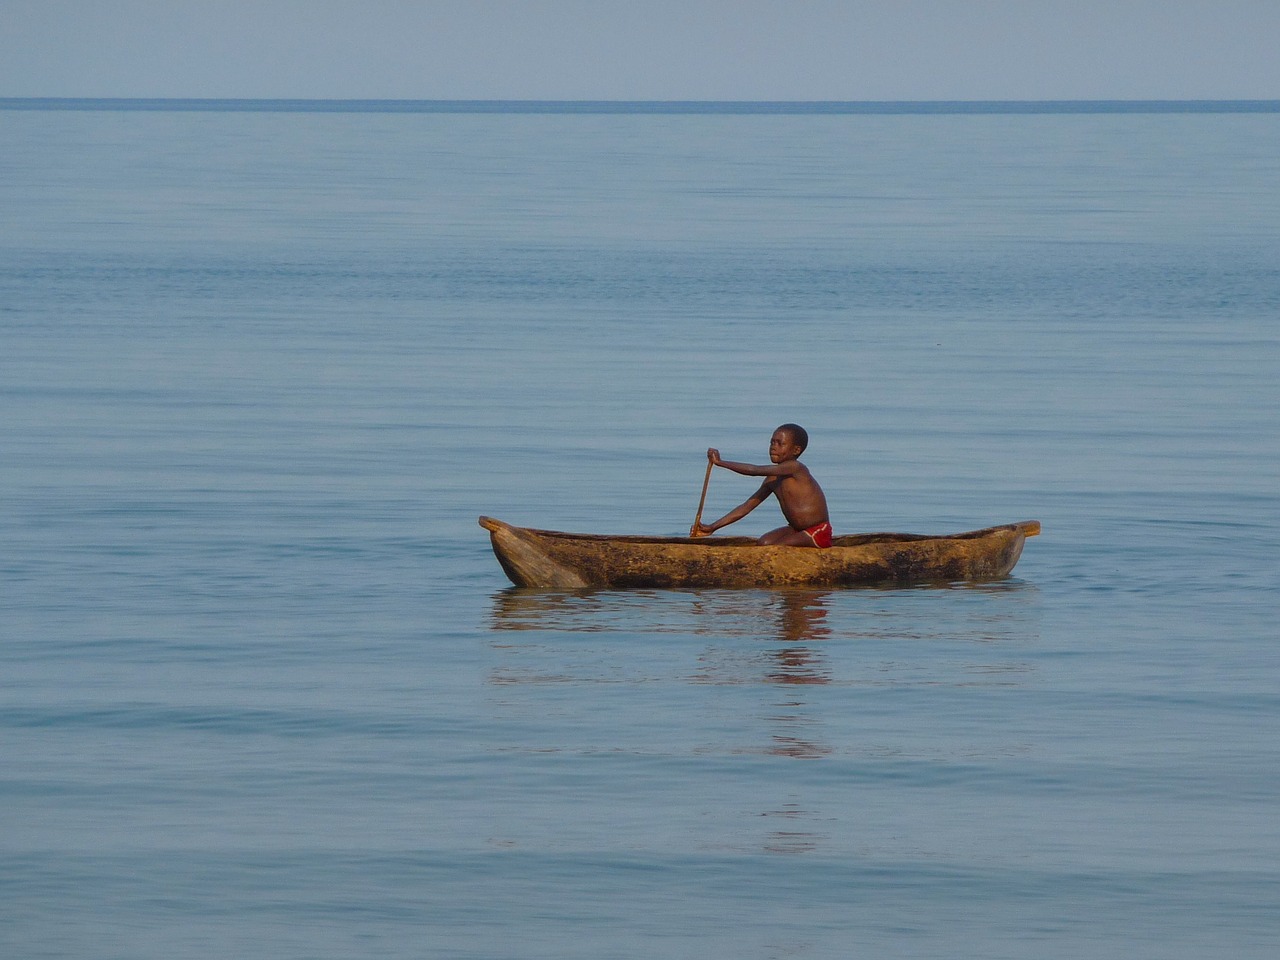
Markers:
401,105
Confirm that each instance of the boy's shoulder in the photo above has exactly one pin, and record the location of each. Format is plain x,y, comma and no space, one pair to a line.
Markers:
796,466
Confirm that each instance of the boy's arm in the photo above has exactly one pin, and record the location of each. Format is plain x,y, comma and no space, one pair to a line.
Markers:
784,469
738,512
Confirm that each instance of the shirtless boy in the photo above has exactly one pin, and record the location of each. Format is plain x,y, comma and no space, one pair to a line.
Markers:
801,499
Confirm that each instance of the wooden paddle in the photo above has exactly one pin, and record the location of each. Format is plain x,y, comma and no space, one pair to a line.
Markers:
697,518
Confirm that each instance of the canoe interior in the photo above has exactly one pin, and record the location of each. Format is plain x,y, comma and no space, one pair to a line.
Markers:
1028,528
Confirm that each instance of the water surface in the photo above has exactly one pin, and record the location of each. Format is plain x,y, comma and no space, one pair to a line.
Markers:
264,691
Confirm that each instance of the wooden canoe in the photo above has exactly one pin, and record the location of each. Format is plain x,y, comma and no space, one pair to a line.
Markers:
549,559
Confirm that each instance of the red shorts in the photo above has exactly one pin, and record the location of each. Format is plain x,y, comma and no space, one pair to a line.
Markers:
820,534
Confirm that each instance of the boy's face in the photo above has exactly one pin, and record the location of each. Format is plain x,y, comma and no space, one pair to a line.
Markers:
782,447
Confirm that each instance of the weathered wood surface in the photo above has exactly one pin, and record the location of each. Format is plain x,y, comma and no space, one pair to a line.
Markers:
550,559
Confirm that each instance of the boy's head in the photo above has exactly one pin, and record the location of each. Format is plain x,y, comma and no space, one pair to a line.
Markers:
789,435
798,434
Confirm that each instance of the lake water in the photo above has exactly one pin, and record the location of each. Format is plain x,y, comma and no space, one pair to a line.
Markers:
265,692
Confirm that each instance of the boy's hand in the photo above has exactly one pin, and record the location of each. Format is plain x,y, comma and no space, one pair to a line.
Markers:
701,530
713,455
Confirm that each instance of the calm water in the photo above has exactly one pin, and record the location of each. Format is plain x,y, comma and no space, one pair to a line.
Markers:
264,691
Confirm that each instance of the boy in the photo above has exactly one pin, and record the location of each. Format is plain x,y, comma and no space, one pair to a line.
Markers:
801,499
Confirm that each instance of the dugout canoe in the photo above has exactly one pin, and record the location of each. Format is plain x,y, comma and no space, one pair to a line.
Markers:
549,559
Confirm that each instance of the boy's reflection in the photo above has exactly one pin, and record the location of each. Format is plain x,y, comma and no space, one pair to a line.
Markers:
801,620
802,623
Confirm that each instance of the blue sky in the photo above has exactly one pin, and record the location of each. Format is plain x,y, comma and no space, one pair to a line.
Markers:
643,49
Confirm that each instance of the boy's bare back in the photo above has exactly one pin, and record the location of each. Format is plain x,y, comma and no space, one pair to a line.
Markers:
802,501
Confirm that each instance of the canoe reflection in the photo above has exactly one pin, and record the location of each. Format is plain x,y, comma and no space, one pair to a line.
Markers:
787,616
728,628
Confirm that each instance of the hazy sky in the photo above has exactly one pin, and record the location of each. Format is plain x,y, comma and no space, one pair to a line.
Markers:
643,49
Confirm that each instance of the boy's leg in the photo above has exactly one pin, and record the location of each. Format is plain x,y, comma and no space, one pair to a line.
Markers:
786,537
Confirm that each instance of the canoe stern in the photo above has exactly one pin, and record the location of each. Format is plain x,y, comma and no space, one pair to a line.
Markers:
525,560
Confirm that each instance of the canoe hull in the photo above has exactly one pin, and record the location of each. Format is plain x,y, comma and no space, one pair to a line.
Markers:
549,559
